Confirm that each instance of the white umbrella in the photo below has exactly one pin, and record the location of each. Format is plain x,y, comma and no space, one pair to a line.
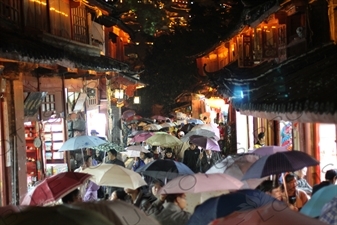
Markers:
135,150
81,142
152,127
167,125
114,175
200,132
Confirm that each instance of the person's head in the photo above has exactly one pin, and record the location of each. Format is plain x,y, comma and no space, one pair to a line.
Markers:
87,161
112,154
142,155
271,188
331,176
133,193
93,133
260,136
208,152
154,149
192,146
168,153
290,182
155,186
72,197
118,195
178,199
181,134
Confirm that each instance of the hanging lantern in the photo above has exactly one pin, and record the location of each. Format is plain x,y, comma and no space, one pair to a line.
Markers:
136,100
119,93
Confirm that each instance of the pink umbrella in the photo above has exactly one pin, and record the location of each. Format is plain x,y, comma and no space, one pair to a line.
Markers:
128,113
269,150
204,142
200,182
142,137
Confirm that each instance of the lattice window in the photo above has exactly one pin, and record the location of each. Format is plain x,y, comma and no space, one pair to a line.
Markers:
92,96
10,10
79,24
48,104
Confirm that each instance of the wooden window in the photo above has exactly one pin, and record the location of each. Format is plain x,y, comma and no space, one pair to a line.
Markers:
35,13
10,10
79,24
51,106
59,11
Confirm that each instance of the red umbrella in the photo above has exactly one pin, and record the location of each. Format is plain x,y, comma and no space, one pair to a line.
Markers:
134,118
55,187
142,137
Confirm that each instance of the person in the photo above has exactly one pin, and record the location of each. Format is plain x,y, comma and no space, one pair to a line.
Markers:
169,154
271,188
118,195
302,182
174,212
296,197
72,197
330,179
191,157
93,133
207,159
158,205
260,141
139,198
112,158
90,189
138,162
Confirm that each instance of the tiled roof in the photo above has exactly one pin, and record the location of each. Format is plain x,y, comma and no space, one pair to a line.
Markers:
306,83
27,49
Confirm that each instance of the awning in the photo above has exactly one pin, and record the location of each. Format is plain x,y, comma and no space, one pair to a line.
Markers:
304,86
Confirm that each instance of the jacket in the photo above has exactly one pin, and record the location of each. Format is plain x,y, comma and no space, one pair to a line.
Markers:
205,164
173,215
191,158
117,162
143,200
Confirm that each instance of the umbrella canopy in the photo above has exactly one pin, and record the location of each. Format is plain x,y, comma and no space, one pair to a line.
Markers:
236,166
200,182
128,114
163,125
10,209
224,205
205,143
114,175
81,142
135,150
269,150
329,212
142,137
133,119
195,121
209,127
314,206
152,127
200,132
271,214
61,214
107,146
187,127
55,187
164,169
159,118
118,212
279,162
163,139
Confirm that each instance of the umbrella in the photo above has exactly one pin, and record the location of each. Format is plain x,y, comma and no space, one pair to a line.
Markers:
187,127
114,175
128,114
236,166
271,214
55,187
268,150
159,118
60,214
107,146
118,212
163,125
142,136
152,127
200,182
10,209
205,143
133,119
195,121
329,212
164,169
195,199
81,142
314,206
163,139
279,162
224,205
200,132
135,150
209,127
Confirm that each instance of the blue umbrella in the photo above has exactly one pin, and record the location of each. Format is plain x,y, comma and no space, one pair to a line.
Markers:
195,121
164,169
314,206
278,163
226,204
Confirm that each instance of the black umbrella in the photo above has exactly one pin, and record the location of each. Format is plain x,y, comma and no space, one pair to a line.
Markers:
164,169
187,127
279,162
